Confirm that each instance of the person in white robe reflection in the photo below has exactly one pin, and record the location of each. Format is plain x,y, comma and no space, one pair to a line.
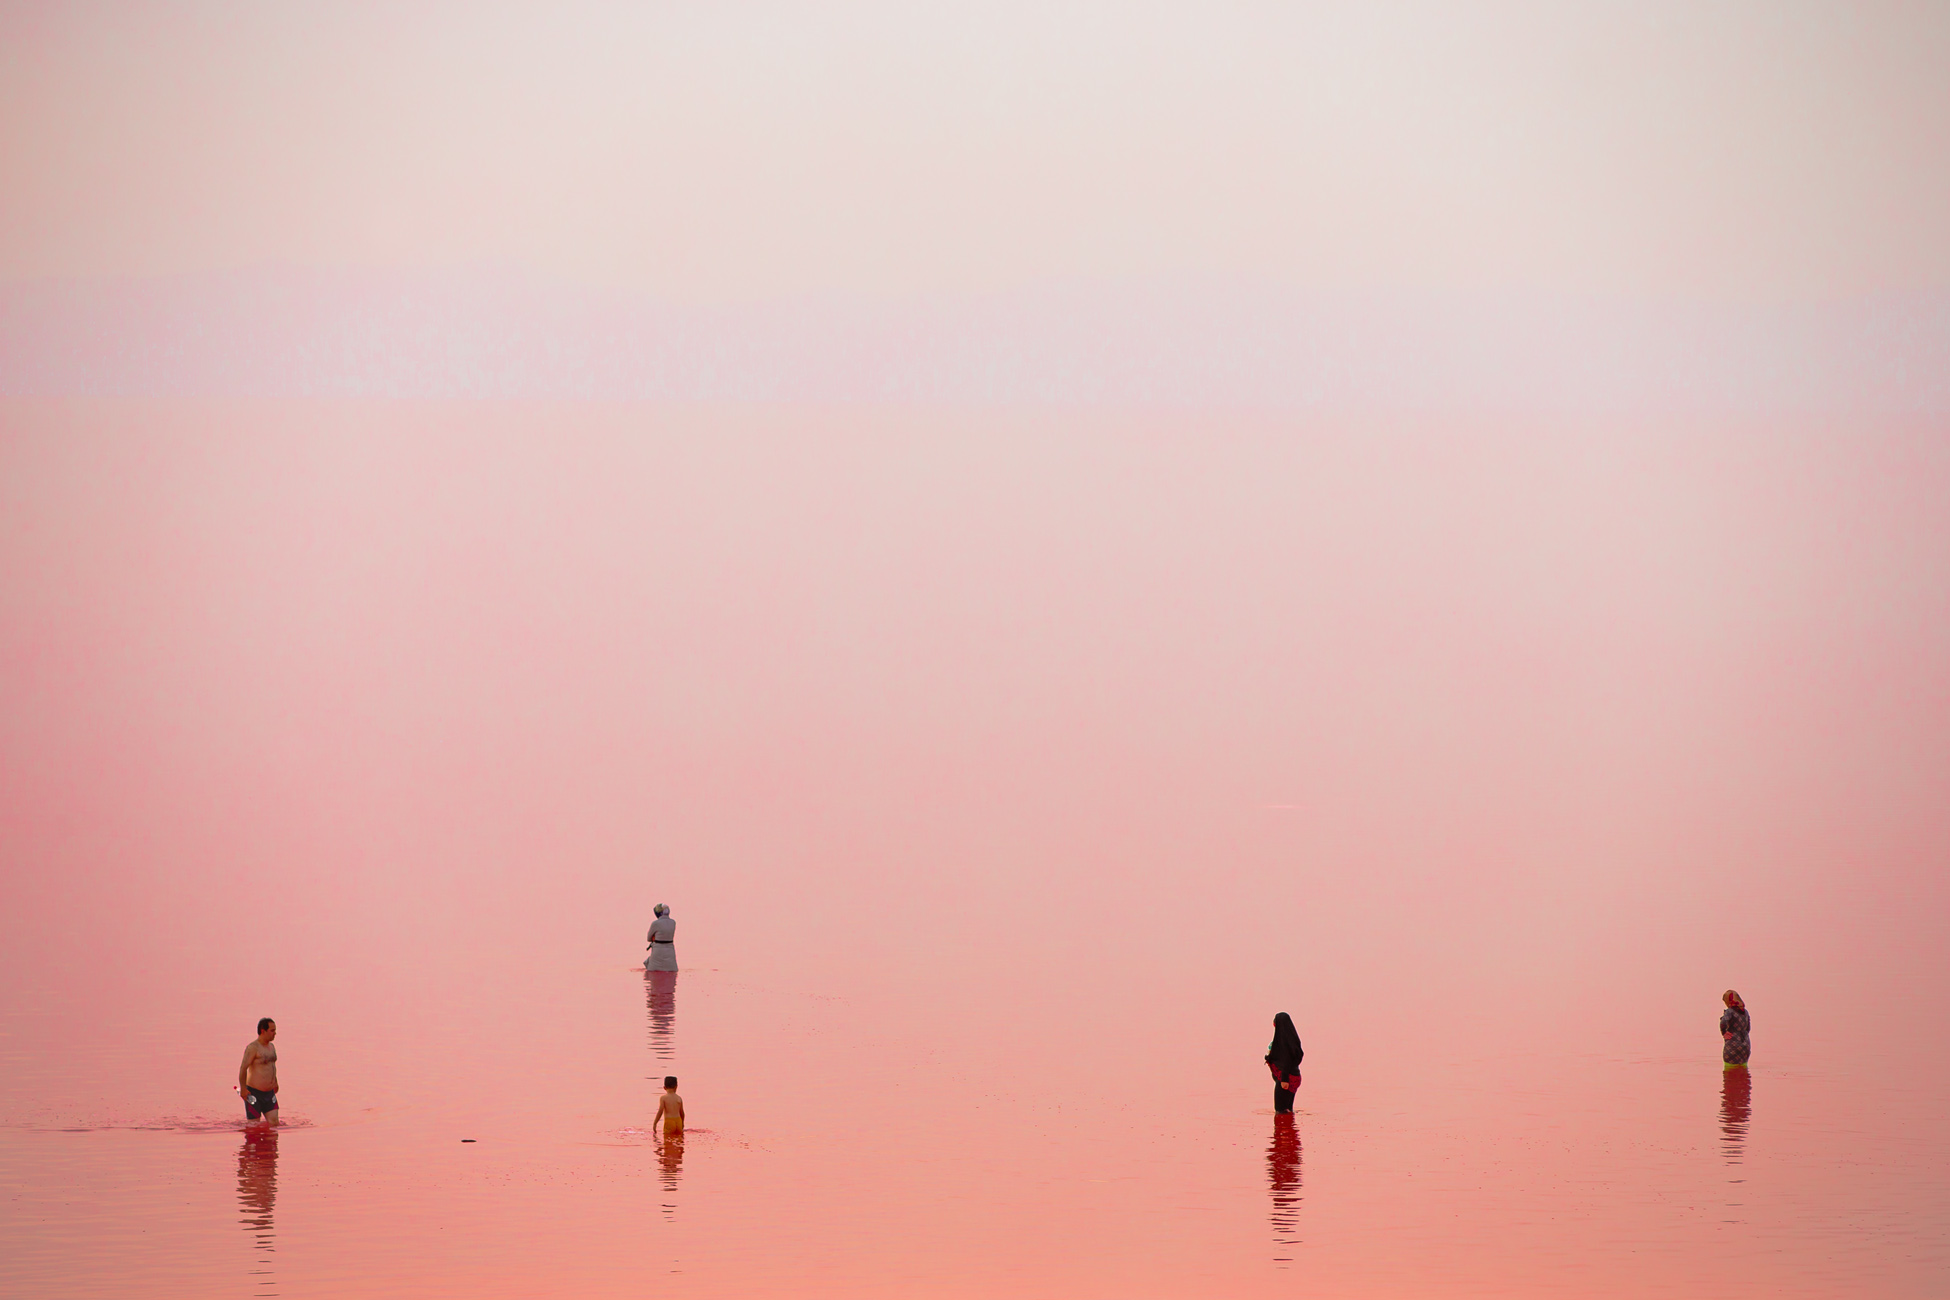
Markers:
660,998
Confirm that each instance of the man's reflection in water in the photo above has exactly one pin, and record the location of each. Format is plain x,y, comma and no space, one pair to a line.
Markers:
1283,1173
660,991
1736,1104
670,1159
257,1193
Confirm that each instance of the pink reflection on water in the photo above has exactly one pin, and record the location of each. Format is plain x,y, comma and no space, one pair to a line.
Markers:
1736,1107
670,1165
257,1195
1283,1176
660,995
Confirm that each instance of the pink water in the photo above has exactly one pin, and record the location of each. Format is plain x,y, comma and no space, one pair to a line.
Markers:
1005,775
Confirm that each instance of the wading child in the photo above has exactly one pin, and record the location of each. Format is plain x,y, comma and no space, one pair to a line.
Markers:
670,1108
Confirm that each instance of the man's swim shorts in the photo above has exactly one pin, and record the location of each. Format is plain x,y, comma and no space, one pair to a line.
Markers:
257,1103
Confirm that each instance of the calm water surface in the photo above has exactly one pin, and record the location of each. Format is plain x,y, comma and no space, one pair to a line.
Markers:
841,1143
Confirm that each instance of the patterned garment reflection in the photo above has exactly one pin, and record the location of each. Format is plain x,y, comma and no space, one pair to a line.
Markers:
257,1194
1283,1173
1736,1104
660,991
670,1159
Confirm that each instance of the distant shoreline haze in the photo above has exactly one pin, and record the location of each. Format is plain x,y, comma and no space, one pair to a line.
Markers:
371,335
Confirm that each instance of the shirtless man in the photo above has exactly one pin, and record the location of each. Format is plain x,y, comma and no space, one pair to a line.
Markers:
257,1077
670,1109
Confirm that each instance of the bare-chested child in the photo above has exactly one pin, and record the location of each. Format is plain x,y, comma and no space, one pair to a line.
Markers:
670,1108
257,1077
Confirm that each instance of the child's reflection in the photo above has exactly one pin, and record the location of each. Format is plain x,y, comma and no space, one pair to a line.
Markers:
1736,1104
257,1192
670,1159
1283,1173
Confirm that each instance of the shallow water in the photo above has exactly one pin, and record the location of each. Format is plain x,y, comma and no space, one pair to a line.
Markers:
836,1148
1005,780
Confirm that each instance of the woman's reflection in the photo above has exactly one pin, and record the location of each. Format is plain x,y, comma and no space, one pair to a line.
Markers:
1736,1104
1283,1173
660,991
257,1194
670,1159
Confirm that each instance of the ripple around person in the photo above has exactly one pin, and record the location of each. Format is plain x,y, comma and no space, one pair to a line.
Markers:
166,1124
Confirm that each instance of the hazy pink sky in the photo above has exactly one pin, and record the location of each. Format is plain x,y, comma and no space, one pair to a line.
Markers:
1409,610
1564,711
717,153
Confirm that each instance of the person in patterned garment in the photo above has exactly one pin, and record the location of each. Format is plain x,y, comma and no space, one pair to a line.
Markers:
1735,1025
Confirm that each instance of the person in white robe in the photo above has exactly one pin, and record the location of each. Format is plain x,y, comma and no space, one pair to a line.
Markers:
663,940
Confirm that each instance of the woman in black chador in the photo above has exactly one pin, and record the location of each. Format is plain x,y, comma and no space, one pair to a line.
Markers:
1283,1059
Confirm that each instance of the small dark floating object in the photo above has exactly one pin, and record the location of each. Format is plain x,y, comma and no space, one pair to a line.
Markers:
467,1139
